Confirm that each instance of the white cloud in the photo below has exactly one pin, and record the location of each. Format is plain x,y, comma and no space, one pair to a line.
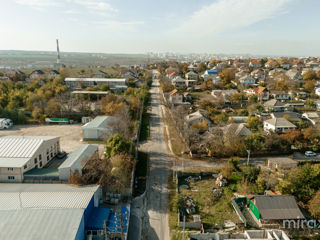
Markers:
38,4
120,26
224,15
97,5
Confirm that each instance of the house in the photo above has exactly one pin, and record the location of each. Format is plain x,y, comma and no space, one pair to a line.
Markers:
113,83
223,94
173,75
197,117
15,75
192,76
285,65
237,130
53,74
292,116
275,208
175,97
261,92
77,160
36,74
190,83
193,67
271,63
238,119
99,128
248,234
317,91
241,74
210,75
247,80
178,82
278,125
274,105
258,74
187,97
280,95
281,163
19,154
294,75
254,64
313,117
100,74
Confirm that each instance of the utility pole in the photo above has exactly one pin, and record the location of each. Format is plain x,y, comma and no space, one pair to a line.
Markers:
184,226
248,151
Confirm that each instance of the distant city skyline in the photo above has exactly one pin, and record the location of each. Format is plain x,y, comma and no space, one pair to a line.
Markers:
257,27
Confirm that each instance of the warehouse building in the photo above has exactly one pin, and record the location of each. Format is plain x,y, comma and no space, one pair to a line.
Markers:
77,160
98,129
19,154
113,83
46,211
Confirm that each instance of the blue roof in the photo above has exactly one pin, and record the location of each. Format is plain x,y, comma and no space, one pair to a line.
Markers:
212,71
112,218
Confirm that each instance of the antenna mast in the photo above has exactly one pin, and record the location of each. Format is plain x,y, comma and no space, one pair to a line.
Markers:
58,53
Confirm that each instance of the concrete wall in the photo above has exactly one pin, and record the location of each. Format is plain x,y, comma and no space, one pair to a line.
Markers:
15,172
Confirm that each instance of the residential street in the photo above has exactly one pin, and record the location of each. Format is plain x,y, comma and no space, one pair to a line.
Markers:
156,225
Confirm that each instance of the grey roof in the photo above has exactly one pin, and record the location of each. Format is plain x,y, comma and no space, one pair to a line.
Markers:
38,224
99,122
274,103
15,151
280,123
292,115
278,207
79,156
237,129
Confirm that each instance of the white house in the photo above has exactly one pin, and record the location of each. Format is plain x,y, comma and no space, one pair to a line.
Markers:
77,160
294,74
313,117
192,76
19,154
178,82
317,91
175,97
280,95
36,74
197,117
210,75
247,80
278,125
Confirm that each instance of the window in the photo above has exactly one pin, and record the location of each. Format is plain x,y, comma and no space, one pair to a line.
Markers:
40,164
35,161
25,166
10,169
48,158
40,157
11,177
47,151
51,154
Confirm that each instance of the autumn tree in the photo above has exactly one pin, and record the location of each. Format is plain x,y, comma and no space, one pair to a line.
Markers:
252,122
314,205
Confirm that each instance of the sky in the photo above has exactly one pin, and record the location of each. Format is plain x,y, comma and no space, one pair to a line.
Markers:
265,27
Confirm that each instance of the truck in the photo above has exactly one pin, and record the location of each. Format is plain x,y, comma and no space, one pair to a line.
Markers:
5,123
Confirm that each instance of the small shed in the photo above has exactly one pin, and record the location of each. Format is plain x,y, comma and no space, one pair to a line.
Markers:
76,161
98,129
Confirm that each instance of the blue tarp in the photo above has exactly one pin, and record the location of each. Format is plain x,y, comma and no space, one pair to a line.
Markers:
111,218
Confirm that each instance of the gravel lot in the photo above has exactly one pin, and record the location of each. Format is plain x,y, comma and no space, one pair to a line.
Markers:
70,135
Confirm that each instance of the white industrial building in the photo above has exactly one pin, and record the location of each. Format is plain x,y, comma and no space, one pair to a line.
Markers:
19,154
99,128
77,160
113,83
46,211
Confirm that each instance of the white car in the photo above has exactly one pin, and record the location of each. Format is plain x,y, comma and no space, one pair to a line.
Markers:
310,154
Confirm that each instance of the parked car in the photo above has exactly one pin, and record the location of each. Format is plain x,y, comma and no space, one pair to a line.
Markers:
310,154
61,155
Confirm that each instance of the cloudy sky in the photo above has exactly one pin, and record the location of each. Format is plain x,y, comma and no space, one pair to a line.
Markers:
269,27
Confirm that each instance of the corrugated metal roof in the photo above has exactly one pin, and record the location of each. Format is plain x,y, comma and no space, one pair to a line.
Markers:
78,155
20,146
39,224
99,122
16,151
278,207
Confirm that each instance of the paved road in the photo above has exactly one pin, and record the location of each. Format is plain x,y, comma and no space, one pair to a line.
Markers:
156,225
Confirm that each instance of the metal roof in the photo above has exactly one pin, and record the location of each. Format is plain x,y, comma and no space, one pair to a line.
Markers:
278,207
44,196
99,122
38,224
95,80
280,123
16,151
77,156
